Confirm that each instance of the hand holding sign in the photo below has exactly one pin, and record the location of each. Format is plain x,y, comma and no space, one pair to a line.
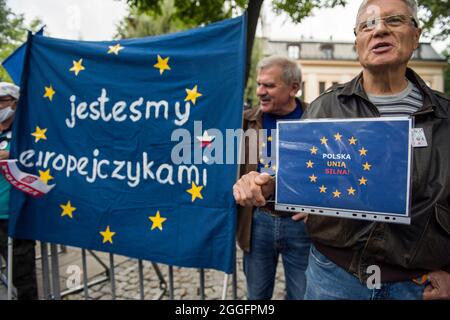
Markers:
253,189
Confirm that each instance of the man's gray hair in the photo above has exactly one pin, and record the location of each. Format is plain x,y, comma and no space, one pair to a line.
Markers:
291,69
412,5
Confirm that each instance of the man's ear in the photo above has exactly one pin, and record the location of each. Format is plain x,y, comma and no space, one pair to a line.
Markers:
295,86
417,35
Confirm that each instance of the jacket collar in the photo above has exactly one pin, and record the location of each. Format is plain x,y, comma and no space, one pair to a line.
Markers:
430,102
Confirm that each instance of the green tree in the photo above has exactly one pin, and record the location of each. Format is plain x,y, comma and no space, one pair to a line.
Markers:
436,17
446,54
257,54
13,33
140,24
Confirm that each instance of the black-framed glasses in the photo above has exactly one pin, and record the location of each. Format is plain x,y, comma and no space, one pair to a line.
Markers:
394,21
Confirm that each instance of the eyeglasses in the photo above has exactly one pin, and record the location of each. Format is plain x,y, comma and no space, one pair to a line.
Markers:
394,21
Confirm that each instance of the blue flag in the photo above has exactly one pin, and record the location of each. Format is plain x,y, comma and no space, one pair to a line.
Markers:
350,168
122,130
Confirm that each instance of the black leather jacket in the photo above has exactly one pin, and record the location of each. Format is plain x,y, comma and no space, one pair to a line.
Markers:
425,244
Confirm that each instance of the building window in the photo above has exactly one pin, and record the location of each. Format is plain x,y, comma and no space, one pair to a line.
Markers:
321,87
327,50
294,51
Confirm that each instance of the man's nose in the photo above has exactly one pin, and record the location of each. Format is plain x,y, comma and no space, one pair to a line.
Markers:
381,28
261,90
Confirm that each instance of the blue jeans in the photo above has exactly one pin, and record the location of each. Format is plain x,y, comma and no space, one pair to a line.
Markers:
328,281
272,236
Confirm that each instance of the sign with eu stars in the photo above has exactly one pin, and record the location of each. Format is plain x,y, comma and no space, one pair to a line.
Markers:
115,127
350,168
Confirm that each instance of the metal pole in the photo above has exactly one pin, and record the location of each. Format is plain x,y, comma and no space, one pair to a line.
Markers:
141,279
10,267
171,290
225,287
55,271
234,286
85,277
202,284
112,277
234,278
45,270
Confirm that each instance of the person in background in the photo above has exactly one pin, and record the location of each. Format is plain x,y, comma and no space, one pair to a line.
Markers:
262,232
24,273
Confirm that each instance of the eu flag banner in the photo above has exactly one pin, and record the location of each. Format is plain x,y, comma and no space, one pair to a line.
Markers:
351,168
121,129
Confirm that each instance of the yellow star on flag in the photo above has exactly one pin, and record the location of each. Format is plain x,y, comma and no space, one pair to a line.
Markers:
266,166
352,140
313,150
323,189
363,152
39,134
192,94
67,209
367,166
309,164
45,176
338,137
115,49
77,67
312,178
323,140
274,168
49,92
269,138
336,194
107,235
157,221
362,181
351,191
195,191
162,65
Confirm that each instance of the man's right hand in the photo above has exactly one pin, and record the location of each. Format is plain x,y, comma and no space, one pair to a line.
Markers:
252,189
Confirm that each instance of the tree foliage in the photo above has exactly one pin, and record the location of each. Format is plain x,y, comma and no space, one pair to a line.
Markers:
13,33
141,24
446,54
435,18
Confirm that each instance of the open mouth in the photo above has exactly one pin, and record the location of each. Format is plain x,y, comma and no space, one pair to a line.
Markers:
382,47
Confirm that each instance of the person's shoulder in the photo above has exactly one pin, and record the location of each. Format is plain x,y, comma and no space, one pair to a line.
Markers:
442,96
328,95
443,101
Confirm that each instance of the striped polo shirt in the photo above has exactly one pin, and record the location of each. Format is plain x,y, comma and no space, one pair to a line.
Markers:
404,103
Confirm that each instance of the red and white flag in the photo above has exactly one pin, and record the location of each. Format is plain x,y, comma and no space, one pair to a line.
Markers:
25,182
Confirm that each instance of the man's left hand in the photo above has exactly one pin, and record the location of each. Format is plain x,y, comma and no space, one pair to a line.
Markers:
439,287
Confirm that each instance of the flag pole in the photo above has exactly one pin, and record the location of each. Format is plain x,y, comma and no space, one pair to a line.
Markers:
10,266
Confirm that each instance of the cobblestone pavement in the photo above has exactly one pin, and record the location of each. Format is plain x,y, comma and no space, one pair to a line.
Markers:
186,283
